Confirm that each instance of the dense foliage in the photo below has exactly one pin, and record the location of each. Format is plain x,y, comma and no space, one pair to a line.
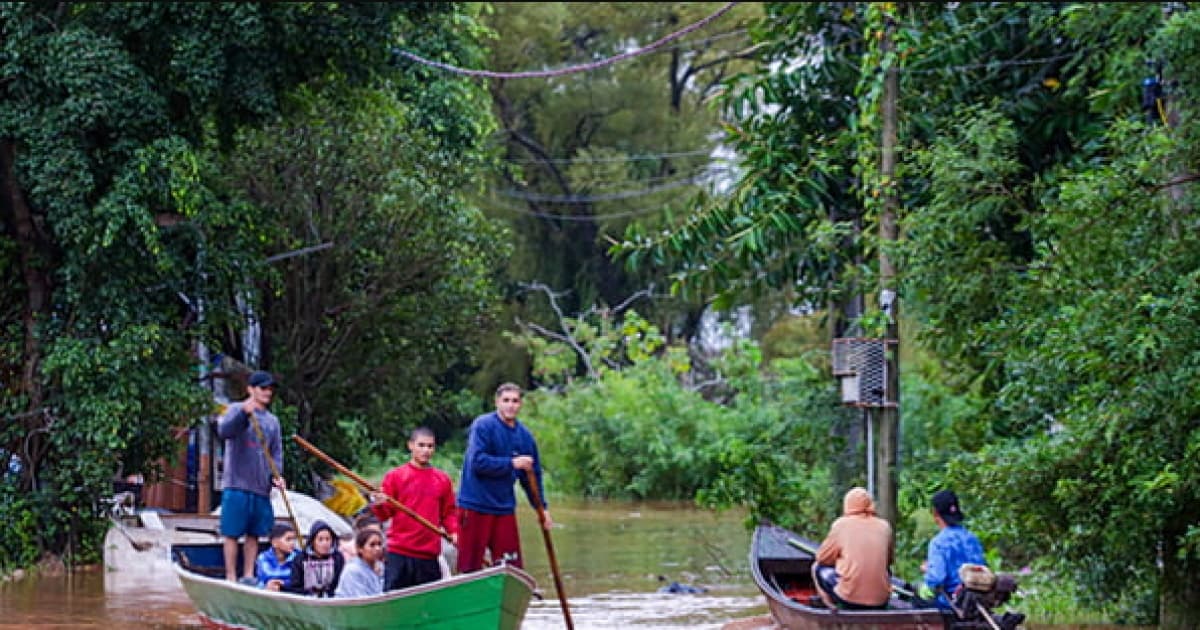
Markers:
394,306
634,429
168,171
1048,257
584,154
125,245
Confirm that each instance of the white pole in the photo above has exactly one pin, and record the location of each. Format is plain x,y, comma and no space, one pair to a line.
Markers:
870,452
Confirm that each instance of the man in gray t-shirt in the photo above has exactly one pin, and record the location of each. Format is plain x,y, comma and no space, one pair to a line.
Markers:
247,481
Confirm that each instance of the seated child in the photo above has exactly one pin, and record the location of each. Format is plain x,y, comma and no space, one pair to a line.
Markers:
365,520
362,577
273,567
316,570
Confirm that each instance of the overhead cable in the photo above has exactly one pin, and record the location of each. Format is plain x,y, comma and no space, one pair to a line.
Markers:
625,194
597,187
575,218
534,74
642,157
994,65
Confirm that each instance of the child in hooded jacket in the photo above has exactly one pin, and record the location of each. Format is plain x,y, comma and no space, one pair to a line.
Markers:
317,569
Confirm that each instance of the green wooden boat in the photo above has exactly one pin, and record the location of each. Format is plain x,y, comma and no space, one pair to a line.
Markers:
496,597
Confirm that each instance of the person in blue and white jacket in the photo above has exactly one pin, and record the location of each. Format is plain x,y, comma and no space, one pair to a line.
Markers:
274,566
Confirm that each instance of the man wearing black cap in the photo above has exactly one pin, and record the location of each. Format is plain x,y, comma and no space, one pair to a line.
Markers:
247,480
952,547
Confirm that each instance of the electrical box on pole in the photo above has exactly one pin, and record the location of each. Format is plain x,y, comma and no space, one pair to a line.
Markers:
861,365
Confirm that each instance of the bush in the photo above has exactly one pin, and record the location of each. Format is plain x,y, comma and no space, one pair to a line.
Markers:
638,432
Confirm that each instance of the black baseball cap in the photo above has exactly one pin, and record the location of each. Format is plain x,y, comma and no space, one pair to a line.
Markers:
945,503
261,379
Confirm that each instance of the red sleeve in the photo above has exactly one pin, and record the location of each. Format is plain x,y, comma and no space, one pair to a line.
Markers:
384,511
449,510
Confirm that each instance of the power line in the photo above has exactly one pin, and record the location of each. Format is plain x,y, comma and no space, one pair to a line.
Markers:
988,65
719,36
644,157
577,218
602,186
973,38
625,194
994,65
532,74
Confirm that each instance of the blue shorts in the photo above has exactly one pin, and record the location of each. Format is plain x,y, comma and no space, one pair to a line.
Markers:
245,513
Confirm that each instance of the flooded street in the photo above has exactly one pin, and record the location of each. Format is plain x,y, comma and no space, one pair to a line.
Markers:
611,555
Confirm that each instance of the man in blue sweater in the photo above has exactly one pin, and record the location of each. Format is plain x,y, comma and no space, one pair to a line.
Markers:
246,484
500,450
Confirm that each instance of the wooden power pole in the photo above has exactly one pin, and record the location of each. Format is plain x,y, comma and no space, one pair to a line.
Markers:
887,418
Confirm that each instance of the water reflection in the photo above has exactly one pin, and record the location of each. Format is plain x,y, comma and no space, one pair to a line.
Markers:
79,599
645,611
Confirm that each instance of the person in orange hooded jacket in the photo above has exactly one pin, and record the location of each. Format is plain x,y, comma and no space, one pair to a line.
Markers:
852,563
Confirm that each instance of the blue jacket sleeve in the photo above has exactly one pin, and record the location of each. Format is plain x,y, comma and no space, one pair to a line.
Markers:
936,569
537,469
262,569
277,447
481,453
233,423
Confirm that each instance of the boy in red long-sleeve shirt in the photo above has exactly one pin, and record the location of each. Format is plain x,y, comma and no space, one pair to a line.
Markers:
412,548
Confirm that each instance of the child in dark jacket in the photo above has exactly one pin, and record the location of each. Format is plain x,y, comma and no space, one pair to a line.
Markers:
317,569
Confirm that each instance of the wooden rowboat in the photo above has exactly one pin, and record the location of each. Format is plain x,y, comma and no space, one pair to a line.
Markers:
783,572
496,597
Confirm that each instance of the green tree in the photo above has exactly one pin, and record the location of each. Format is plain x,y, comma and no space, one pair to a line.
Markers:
392,299
1087,337
1046,257
586,153
635,427
112,231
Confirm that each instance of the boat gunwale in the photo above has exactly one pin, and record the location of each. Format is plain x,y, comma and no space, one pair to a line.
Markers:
456,580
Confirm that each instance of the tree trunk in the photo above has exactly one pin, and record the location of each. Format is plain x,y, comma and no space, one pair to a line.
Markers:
34,258
1179,588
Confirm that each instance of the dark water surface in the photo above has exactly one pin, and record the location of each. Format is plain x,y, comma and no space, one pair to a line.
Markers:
611,555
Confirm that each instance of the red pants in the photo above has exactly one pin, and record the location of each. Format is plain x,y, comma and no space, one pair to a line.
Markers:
478,532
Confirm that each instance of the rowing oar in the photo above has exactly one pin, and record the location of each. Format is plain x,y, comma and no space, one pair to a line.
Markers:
366,485
541,512
262,441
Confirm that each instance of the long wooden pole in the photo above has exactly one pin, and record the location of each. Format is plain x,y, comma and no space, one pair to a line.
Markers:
262,441
541,512
366,485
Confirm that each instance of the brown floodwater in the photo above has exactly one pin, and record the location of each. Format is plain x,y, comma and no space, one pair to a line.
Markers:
611,555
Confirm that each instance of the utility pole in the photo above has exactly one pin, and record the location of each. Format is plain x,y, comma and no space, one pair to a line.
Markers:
887,420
